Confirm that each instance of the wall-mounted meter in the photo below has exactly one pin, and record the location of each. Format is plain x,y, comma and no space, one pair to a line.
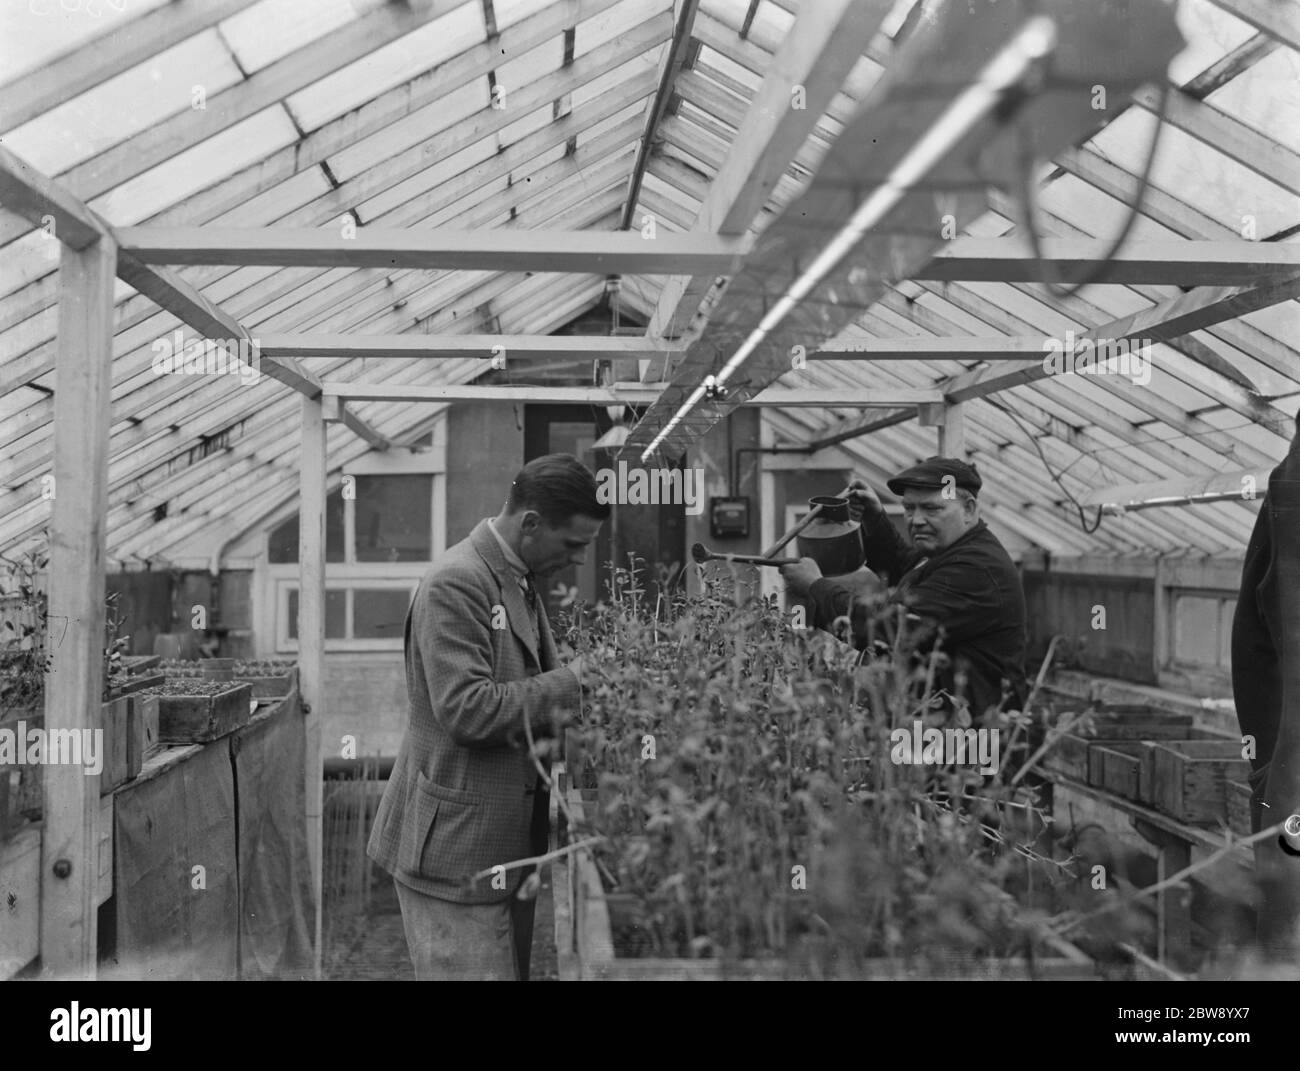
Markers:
729,517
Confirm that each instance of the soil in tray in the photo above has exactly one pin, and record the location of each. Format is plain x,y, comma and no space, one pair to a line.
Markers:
190,686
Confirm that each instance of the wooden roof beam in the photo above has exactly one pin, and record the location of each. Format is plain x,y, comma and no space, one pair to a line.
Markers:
674,58
436,249
444,347
106,56
1173,263
826,41
627,393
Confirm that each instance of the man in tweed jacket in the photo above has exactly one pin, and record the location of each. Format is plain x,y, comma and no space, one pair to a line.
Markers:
463,796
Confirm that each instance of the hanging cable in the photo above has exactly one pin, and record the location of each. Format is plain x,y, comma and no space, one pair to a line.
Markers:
1028,210
1083,517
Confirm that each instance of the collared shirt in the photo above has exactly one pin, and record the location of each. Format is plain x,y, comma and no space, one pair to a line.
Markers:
522,574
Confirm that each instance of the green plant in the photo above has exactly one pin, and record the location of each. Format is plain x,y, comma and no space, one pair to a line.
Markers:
114,644
746,806
24,621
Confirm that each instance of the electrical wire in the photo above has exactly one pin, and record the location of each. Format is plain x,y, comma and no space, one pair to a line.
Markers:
1027,204
1083,517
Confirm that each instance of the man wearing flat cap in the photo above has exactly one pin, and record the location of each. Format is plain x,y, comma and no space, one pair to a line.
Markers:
956,575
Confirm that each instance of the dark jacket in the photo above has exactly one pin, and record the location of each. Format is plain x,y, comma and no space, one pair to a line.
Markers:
1265,614
971,590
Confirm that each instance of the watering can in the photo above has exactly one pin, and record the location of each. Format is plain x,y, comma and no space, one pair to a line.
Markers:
832,540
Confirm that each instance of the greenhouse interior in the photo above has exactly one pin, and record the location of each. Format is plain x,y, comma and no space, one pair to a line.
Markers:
649,490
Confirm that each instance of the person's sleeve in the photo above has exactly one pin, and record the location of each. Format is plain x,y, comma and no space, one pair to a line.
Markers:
452,621
960,596
887,552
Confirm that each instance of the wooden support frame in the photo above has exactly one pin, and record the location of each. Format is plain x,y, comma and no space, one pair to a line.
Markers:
625,394
311,633
674,58
74,690
448,347
1178,262
910,348
44,202
1178,316
827,40
599,252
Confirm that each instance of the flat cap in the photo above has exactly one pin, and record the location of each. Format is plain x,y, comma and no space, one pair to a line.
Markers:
933,472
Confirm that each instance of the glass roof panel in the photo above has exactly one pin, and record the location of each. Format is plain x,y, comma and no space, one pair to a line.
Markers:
133,101
608,25
530,66
197,168
1210,33
421,127
269,31
612,81
508,12
429,179
35,32
395,63
1266,97
1197,174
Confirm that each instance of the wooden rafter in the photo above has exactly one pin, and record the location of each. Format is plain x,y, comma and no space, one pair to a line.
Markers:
1176,263
817,55
674,57
35,196
891,220
1191,311
483,347
96,61
627,394
436,250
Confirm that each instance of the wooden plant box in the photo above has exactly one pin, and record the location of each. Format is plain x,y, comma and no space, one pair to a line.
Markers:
1238,795
139,684
1122,767
1141,724
1190,778
585,944
1068,756
198,719
144,733
276,687
123,754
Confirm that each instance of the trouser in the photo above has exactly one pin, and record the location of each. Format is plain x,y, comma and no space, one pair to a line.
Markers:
467,942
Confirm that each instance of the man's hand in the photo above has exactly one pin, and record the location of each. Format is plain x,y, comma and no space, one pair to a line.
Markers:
800,576
577,667
863,502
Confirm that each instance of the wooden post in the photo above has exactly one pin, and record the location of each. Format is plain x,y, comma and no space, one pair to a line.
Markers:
74,689
952,432
311,631
1160,618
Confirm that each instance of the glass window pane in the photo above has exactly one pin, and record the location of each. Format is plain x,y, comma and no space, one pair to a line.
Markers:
394,515
336,614
282,545
379,613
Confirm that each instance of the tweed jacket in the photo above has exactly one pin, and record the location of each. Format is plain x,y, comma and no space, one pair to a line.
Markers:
463,796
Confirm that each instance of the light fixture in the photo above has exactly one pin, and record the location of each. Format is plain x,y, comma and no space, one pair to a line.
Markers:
1034,41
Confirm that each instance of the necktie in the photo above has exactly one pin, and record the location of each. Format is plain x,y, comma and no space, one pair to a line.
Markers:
530,595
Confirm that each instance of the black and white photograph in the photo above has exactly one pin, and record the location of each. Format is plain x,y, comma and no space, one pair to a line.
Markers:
650,490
